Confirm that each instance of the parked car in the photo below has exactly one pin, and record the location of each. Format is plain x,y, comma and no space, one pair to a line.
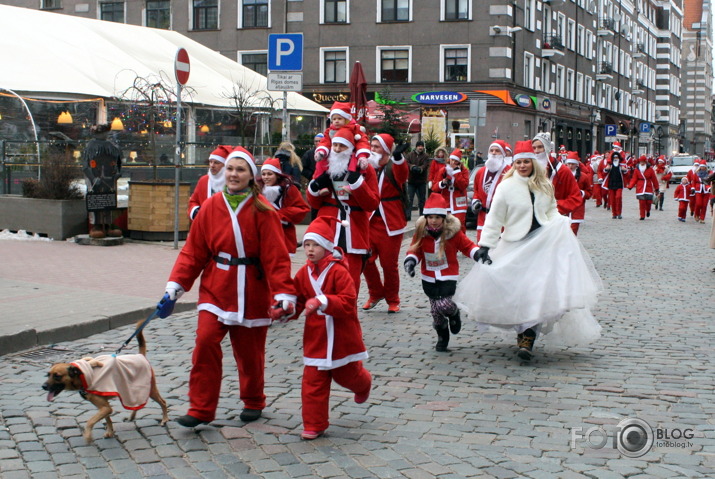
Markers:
680,165
471,221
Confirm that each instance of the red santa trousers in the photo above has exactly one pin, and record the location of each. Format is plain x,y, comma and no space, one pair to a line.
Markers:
462,217
386,248
356,263
249,351
682,209
615,199
701,205
644,207
315,392
597,194
574,228
604,196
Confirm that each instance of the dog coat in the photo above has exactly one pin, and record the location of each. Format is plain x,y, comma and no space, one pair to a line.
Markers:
127,377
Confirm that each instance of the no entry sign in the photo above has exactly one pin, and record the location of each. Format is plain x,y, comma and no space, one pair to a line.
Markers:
182,66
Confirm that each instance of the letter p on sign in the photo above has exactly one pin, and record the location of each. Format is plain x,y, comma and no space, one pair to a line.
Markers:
285,52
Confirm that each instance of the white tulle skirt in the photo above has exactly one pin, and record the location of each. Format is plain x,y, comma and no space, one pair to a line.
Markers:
547,280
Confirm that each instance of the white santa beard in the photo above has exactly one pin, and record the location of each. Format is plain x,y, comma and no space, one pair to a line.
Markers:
374,159
494,162
642,168
271,192
217,181
338,162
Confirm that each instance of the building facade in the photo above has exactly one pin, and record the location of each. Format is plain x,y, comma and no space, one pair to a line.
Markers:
588,71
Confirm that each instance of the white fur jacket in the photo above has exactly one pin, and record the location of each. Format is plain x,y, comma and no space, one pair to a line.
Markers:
511,209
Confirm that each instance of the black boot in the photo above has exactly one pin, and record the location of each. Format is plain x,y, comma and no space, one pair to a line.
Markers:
526,344
443,339
455,323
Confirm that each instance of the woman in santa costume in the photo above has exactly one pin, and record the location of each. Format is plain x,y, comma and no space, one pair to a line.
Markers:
645,181
701,190
285,197
350,196
487,180
615,179
437,239
243,272
541,279
583,175
333,349
212,182
452,185
662,172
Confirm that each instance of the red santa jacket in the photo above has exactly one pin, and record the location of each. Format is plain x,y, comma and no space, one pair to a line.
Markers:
682,192
645,182
456,192
566,190
442,268
332,336
291,208
201,193
219,244
585,185
434,168
390,207
362,144
357,206
697,184
486,183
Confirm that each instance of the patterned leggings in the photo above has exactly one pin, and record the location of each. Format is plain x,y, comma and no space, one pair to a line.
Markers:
441,309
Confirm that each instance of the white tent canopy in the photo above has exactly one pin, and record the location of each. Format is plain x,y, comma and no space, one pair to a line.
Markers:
61,56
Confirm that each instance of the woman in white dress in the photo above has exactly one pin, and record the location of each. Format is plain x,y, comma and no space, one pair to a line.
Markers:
544,280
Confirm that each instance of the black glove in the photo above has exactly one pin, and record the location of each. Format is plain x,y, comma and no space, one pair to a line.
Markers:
353,176
410,264
399,150
692,191
482,255
416,169
476,205
323,181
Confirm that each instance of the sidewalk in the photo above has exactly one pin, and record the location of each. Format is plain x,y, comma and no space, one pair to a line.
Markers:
55,291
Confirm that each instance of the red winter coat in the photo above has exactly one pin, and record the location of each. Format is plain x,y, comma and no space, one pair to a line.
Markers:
682,193
456,192
358,205
201,193
390,207
485,192
332,336
238,294
291,208
645,182
566,190
585,185
434,168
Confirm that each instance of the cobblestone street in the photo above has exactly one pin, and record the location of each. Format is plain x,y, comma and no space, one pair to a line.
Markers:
474,412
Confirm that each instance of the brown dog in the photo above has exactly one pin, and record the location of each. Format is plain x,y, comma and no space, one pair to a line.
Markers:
132,373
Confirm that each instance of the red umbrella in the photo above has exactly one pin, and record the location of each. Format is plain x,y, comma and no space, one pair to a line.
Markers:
358,93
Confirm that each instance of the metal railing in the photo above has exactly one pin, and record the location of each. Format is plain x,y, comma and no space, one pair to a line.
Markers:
553,41
605,68
606,23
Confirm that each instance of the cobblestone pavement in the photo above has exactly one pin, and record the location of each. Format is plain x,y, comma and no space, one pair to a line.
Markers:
474,412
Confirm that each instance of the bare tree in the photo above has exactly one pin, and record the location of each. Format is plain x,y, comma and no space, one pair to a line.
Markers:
248,100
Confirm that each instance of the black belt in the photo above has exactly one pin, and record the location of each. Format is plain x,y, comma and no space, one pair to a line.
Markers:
335,205
233,261
392,198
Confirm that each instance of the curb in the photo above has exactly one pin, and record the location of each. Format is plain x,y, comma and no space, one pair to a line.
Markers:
31,338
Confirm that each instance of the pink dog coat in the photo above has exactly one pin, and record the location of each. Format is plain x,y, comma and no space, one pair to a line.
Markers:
127,377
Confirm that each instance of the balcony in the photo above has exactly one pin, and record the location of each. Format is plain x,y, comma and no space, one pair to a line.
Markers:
640,51
553,46
604,71
606,26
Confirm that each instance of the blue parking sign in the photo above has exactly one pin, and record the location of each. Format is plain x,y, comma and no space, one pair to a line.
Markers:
285,52
611,130
645,127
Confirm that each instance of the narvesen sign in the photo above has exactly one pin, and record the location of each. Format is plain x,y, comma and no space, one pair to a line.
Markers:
439,97
523,101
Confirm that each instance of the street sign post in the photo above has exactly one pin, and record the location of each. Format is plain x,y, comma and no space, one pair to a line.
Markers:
182,68
611,130
285,55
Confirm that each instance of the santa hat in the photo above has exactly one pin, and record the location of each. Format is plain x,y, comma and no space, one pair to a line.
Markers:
617,145
272,164
435,205
322,231
524,149
344,136
342,109
545,140
572,157
507,148
661,159
703,163
501,144
642,159
562,149
241,152
386,141
221,153
596,153
455,155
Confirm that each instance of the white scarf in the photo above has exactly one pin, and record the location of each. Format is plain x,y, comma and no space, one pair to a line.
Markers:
217,181
271,192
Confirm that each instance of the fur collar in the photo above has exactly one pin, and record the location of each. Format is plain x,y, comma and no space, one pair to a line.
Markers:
452,225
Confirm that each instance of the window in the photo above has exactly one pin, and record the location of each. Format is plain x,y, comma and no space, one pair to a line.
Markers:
256,61
205,15
569,84
395,11
530,14
51,4
456,63
560,80
394,65
112,11
571,35
546,76
528,70
456,10
335,11
158,14
334,65
589,44
588,91
581,32
254,14
579,87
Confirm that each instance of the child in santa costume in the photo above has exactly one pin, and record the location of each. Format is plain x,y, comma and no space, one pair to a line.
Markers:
341,118
583,175
682,196
333,349
529,239
645,181
285,197
212,182
244,271
440,159
452,185
487,180
350,196
437,239
663,173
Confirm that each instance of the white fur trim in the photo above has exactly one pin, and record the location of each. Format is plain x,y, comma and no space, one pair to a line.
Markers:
340,112
526,154
271,168
498,146
343,141
244,156
327,244
455,157
382,143
434,211
218,158
573,161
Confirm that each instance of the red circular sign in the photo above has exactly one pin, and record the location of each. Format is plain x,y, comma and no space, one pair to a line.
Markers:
182,66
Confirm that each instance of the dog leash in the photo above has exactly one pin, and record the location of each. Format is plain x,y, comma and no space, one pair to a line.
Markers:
138,330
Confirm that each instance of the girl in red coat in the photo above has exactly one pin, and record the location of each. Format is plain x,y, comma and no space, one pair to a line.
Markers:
682,196
243,272
452,184
333,348
438,237
583,175
285,198
644,179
